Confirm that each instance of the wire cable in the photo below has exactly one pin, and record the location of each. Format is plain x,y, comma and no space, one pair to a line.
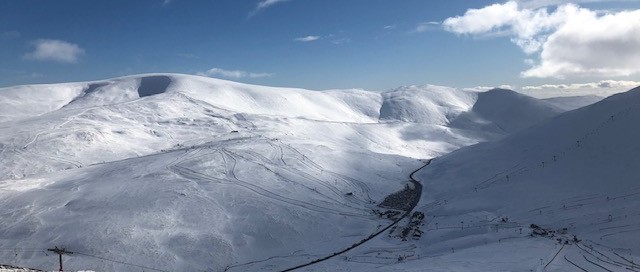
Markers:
120,262
29,250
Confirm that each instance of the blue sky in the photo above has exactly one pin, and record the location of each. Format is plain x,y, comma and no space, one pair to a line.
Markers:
314,44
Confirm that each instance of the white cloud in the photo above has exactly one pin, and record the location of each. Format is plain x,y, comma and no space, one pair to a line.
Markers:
530,62
534,4
603,84
571,41
339,41
55,50
526,27
487,88
334,39
602,88
307,39
263,5
425,26
592,45
233,73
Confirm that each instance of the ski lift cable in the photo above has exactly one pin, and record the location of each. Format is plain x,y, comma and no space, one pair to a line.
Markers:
29,250
120,262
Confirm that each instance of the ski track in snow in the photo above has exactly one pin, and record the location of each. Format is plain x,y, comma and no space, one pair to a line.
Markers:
231,171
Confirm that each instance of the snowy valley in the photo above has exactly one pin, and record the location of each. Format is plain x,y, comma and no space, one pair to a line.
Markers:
174,172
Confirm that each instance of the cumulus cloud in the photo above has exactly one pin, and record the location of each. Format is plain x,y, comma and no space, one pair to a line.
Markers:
592,45
533,4
263,5
55,50
237,74
527,27
570,41
307,39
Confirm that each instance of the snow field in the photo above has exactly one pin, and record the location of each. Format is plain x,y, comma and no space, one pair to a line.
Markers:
177,173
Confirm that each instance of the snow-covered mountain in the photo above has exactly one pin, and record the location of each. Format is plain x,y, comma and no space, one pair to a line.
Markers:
575,177
47,128
181,172
578,171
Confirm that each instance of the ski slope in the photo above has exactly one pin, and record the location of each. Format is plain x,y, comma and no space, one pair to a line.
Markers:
176,172
575,176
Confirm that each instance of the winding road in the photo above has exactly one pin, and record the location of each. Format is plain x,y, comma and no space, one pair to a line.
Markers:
417,186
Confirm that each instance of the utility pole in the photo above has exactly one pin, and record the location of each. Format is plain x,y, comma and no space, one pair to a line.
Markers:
60,252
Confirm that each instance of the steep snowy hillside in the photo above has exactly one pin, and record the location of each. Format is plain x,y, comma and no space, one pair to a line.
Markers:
178,173
560,196
505,111
573,102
